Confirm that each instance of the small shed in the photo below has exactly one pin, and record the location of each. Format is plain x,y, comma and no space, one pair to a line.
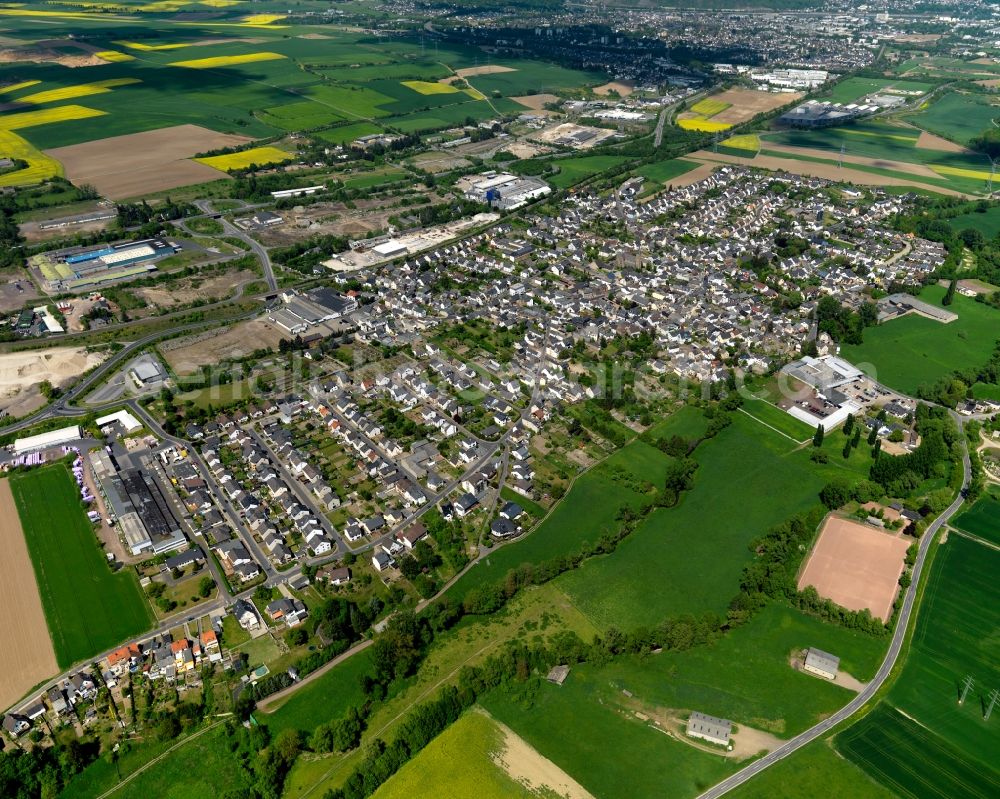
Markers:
821,663
558,674
709,728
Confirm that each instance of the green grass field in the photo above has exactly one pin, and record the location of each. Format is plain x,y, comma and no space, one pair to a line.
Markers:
987,223
585,514
957,116
88,609
908,758
203,769
815,770
662,172
457,763
746,675
688,559
905,353
775,417
601,747
957,634
983,518
853,89
573,170
340,689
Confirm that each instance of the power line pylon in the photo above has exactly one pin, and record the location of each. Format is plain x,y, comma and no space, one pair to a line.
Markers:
967,684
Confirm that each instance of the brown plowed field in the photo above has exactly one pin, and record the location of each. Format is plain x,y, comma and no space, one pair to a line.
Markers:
856,566
143,163
745,104
26,654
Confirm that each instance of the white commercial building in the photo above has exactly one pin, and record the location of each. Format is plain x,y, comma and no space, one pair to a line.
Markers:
53,438
123,417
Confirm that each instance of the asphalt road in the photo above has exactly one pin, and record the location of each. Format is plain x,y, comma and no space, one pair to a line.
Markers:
895,647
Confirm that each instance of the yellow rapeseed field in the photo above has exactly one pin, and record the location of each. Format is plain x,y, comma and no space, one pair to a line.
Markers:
40,166
702,125
226,60
146,48
62,113
958,172
80,90
709,107
241,160
219,3
16,87
746,141
475,94
429,87
114,56
263,19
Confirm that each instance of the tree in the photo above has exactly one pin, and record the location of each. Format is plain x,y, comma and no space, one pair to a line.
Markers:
849,424
296,636
205,586
873,435
949,295
835,494
818,437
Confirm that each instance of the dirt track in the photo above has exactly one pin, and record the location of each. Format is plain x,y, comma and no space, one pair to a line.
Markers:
28,657
856,566
928,141
142,163
825,171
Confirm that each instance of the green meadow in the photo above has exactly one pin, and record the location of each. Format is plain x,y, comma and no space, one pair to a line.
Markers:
913,350
87,607
957,116
688,559
983,518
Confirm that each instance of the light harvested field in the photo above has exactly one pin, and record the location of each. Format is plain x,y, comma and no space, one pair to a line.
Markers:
825,171
488,69
536,102
856,566
237,341
928,141
624,89
21,372
745,104
141,163
28,656
525,765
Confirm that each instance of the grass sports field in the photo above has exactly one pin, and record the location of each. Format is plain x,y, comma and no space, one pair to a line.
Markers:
88,608
905,353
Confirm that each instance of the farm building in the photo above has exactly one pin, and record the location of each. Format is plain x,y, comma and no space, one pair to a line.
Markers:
821,663
709,728
53,438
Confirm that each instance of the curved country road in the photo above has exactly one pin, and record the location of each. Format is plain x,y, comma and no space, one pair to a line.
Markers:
898,637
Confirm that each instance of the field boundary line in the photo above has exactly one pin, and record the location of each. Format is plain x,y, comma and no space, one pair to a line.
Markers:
974,538
158,758
775,429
